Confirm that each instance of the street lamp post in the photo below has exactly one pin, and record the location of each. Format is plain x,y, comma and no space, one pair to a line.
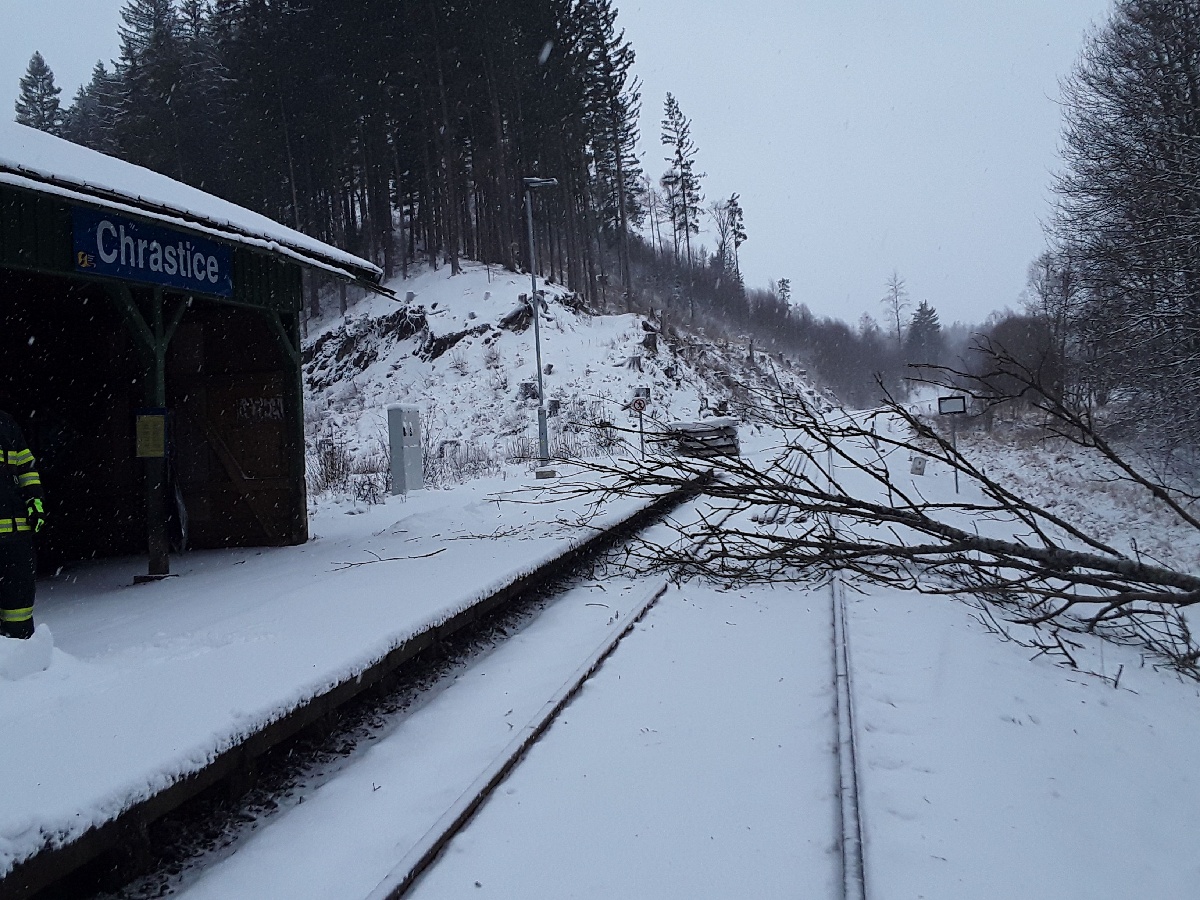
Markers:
531,185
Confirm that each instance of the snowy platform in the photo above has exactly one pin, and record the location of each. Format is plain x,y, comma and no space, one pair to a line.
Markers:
149,685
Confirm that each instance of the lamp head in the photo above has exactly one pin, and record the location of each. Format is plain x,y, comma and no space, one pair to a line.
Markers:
532,184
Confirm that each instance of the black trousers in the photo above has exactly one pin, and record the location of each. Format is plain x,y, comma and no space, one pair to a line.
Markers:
17,573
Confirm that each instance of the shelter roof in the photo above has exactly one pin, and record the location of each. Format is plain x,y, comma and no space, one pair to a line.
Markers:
37,161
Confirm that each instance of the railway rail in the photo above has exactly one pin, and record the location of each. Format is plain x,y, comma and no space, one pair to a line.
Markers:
852,880
849,809
86,865
848,821
401,879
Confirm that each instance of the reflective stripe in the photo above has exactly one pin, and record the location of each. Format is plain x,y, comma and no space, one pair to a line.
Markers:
16,615
19,457
29,479
6,525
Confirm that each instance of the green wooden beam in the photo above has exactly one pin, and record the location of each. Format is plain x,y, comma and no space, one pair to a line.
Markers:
122,298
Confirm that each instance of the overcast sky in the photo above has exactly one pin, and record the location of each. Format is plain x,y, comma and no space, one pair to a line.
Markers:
864,136
70,34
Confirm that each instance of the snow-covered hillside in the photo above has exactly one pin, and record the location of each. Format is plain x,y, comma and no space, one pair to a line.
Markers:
462,348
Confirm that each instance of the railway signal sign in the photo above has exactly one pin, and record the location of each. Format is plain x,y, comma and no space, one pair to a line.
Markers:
952,406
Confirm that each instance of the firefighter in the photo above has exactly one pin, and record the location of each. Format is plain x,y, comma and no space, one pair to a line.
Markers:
22,515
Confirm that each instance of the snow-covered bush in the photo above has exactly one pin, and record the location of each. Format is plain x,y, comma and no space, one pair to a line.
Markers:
329,466
456,463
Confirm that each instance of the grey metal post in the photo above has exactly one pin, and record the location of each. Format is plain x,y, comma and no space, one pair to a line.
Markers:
954,444
543,437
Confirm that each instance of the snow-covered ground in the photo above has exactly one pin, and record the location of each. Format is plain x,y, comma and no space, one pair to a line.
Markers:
988,775
148,683
698,762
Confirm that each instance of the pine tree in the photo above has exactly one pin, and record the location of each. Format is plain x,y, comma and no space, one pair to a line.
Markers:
91,120
681,180
37,105
924,342
150,69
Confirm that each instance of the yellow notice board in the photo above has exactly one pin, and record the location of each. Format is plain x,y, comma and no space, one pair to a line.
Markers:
152,434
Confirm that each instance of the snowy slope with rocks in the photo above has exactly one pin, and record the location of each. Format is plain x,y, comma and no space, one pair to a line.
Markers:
462,349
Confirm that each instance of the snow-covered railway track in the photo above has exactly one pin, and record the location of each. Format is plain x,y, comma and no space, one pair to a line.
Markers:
123,849
849,810
850,881
398,882
849,826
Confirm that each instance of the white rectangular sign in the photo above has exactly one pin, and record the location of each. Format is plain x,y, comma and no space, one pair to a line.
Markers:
948,406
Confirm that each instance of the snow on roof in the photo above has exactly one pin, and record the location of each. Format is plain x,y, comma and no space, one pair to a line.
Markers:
38,161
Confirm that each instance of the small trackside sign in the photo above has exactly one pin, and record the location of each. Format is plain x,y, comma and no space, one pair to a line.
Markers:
949,406
120,247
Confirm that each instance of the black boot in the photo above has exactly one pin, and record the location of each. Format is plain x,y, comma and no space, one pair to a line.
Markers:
19,630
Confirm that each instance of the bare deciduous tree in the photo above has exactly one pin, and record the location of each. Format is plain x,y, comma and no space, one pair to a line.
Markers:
1128,216
837,498
895,301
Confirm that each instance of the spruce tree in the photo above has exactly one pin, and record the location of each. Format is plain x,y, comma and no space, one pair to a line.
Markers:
614,104
924,342
91,120
737,231
150,69
37,105
681,181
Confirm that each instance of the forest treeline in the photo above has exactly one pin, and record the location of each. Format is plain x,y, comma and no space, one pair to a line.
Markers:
401,130
1110,322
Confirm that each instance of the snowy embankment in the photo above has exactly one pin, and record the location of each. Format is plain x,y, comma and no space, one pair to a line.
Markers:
150,683
699,762
463,351
983,773
987,775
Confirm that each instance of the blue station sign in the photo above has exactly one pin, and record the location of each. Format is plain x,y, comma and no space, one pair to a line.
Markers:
119,247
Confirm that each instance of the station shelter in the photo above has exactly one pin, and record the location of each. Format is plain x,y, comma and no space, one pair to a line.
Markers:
150,347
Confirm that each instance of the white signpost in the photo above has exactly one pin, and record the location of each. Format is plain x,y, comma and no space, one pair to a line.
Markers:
639,407
952,407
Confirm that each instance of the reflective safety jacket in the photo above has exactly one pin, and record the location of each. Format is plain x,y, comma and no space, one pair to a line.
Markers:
20,483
